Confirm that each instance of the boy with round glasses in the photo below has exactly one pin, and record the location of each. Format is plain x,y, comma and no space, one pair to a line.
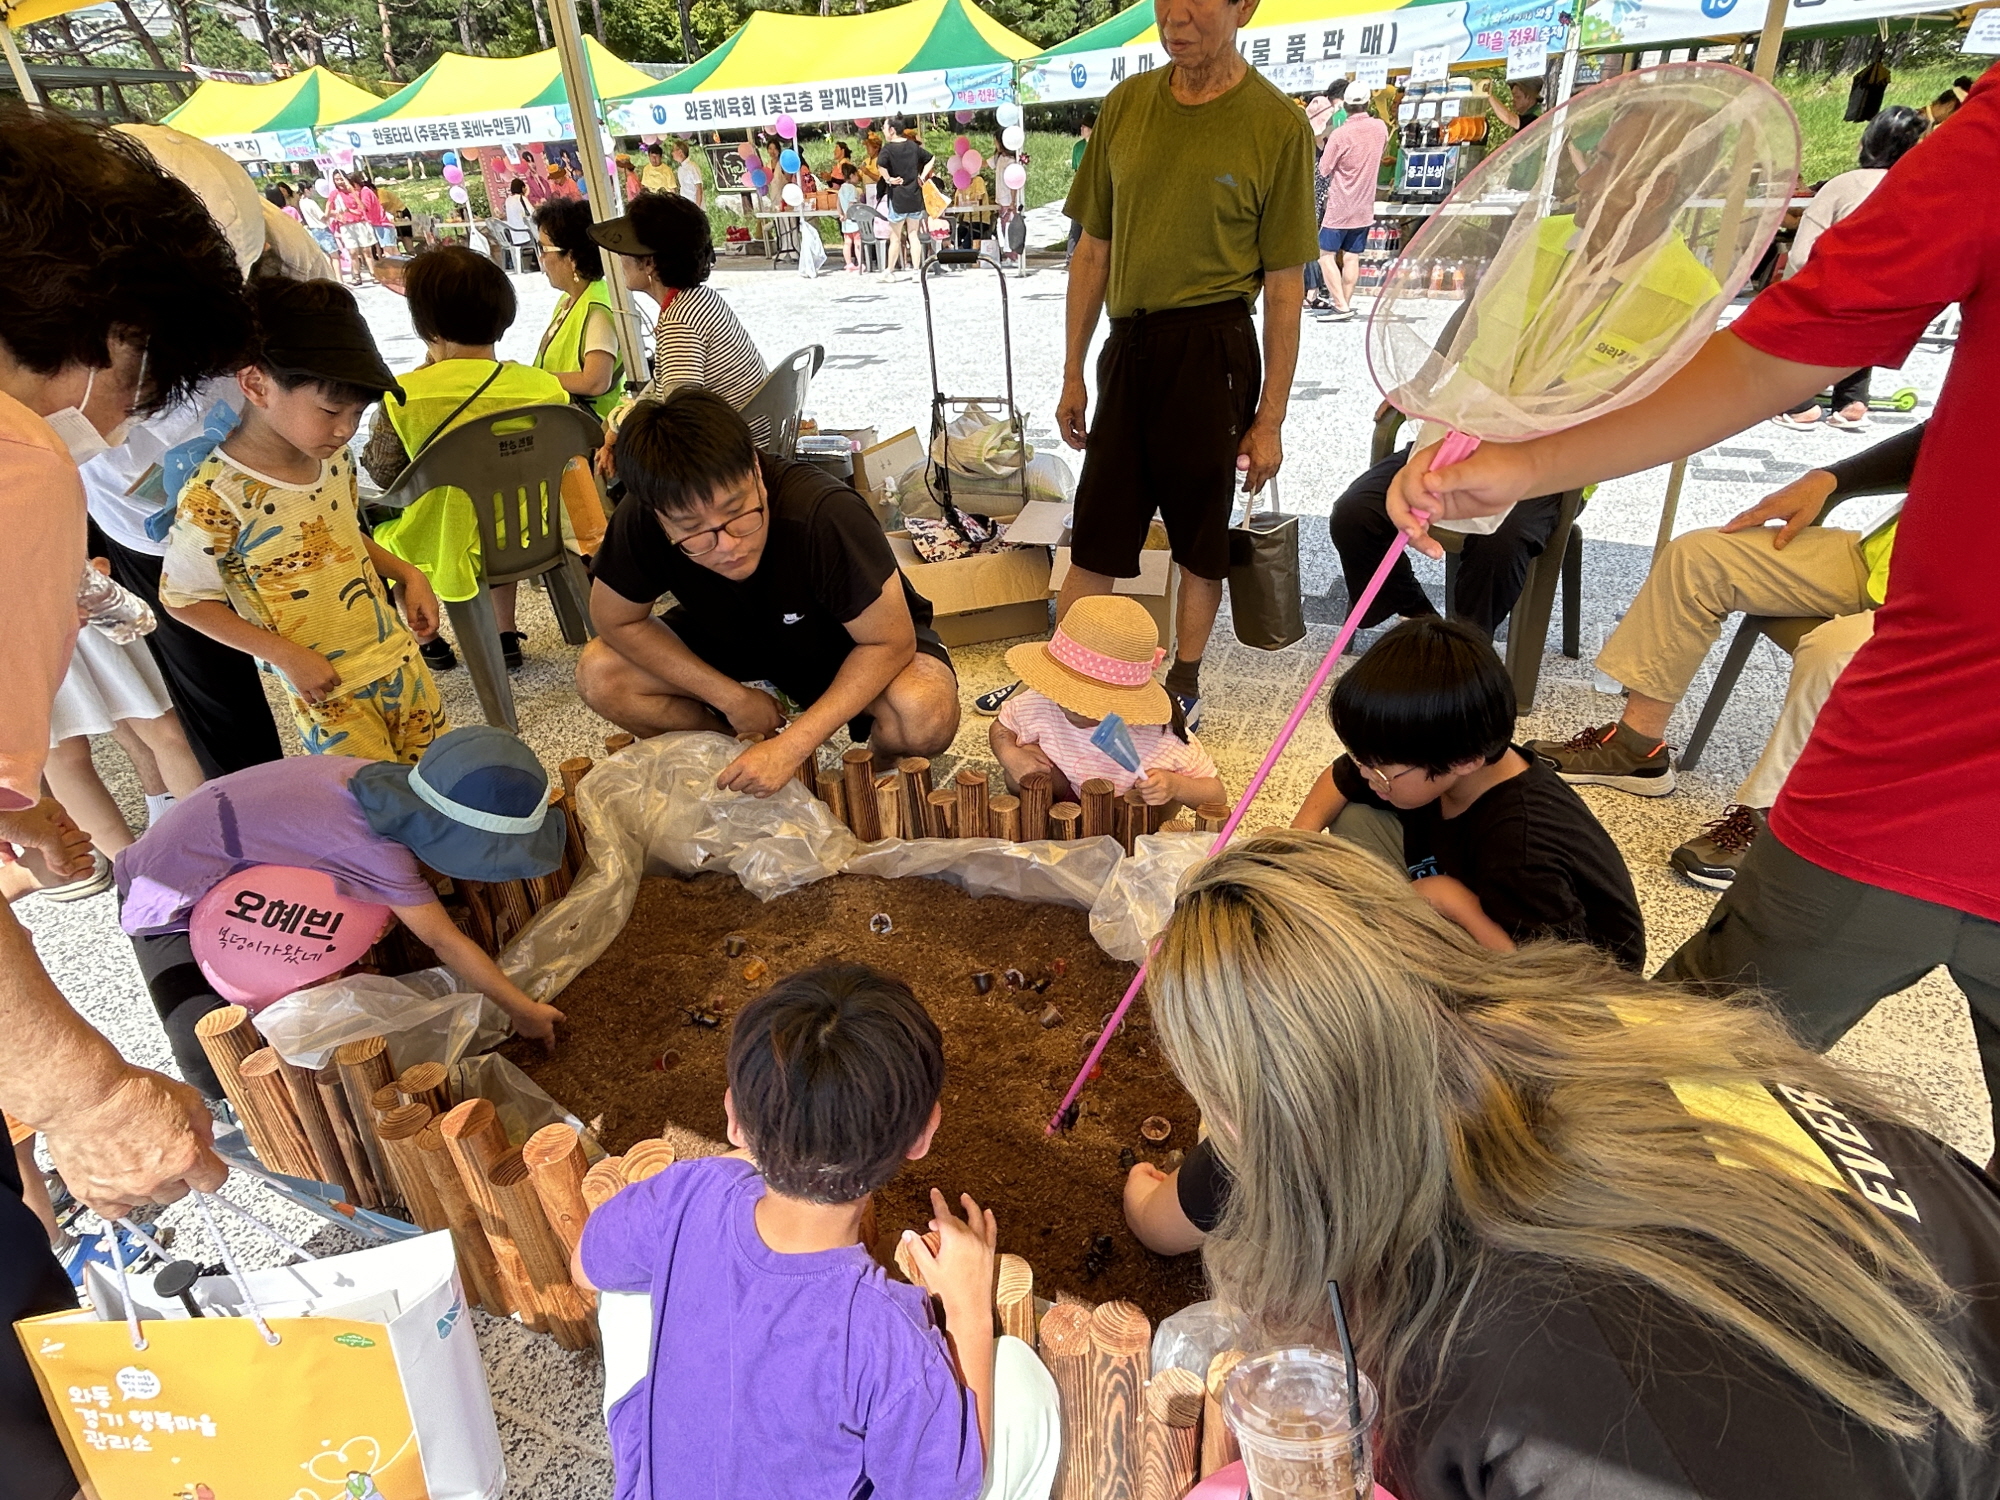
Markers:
783,583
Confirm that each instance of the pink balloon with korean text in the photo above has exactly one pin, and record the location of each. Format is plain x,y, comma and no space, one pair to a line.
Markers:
272,929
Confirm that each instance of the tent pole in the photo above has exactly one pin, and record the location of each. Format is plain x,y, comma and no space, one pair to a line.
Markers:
605,201
1772,40
18,65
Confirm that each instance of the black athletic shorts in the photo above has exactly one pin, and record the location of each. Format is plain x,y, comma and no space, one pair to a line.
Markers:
1176,391
32,1463
801,675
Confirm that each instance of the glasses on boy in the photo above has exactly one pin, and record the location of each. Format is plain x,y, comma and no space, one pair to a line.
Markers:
1386,779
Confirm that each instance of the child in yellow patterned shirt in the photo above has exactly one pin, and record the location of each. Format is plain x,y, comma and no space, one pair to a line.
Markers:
267,554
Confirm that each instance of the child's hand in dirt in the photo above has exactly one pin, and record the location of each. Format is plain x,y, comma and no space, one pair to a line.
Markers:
961,1273
538,1022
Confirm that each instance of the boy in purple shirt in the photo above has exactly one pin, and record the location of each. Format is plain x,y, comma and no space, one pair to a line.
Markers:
783,1360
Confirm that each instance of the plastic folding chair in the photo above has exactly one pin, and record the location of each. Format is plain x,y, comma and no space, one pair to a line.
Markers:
1528,626
510,464
780,402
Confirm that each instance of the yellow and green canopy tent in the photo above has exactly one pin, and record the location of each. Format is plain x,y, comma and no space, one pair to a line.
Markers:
927,55
481,101
270,121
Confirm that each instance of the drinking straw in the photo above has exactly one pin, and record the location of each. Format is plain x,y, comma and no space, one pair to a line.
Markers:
1455,447
1347,1356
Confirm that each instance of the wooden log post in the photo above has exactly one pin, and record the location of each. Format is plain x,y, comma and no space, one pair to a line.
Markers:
613,743
398,1129
228,1038
973,820
476,1265
425,1084
547,890
347,1135
1065,1348
603,1182
647,1158
576,844
857,774
943,821
555,1162
365,1067
1173,1434
478,915
1121,1342
303,1087
889,801
1035,791
1130,816
833,792
1014,1298
1065,821
807,774
511,910
1210,816
1218,1443
916,774
1004,815
476,1139
270,1104
564,1306
1100,799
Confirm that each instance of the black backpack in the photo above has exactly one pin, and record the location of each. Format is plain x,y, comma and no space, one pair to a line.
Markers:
1864,93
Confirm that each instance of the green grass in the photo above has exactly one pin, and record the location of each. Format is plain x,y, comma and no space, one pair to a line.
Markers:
1830,143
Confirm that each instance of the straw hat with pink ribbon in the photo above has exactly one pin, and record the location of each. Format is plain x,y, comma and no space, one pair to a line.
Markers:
1100,661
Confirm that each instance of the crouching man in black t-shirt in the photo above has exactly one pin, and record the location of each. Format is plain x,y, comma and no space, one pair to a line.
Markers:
780,576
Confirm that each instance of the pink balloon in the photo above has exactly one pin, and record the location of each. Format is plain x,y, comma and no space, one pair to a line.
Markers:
748,151
865,121
960,178
454,175
1016,176
787,126
972,161
963,116
272,929
961,145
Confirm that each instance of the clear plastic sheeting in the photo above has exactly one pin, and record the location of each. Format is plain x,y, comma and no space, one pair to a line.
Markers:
1192,1337
1581,264
428,1016
654,809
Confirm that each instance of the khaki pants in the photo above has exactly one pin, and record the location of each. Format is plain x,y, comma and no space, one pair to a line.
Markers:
1701,578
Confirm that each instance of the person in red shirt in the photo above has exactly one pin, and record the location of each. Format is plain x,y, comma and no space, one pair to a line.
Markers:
1885,856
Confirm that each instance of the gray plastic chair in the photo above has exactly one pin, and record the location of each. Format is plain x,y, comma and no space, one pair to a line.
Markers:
780,402
1528,626
873,254
511,464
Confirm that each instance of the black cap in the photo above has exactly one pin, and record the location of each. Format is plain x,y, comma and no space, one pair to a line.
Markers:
315,328
620,236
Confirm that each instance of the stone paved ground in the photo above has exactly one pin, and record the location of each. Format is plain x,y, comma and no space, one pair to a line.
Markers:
877,373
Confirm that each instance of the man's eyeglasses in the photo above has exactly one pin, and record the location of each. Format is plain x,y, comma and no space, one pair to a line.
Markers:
1386,779
704,541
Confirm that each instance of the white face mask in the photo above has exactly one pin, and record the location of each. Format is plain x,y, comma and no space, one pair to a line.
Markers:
80,435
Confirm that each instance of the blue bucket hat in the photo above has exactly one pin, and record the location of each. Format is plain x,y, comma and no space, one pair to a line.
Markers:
475,807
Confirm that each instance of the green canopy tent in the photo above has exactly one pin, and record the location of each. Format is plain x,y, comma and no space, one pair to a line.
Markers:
270,121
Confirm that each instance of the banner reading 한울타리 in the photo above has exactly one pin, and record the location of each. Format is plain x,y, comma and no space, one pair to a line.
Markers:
542,122
932,91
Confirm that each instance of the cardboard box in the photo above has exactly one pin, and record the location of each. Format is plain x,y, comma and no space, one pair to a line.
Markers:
877,462
1157,586
987,597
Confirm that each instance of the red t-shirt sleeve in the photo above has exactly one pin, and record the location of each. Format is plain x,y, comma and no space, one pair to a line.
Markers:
1924,240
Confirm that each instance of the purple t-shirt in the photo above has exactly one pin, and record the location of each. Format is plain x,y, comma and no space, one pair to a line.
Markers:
772,1375
296,811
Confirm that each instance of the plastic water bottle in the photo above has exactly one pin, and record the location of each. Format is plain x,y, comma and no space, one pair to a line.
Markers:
103,602
1610,686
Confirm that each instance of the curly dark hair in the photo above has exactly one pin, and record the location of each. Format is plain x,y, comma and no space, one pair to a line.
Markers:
103,244
567,221
683,243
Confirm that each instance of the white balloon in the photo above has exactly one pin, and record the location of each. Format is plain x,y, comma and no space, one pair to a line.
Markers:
1008,114
459,195
324,187
1012,137
794,194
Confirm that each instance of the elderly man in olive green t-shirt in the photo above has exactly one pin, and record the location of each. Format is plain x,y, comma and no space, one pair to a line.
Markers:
1196,192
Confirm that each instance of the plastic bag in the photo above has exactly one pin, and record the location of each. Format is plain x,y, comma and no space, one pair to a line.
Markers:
520,1102
975,444
1137,897
1048,478
812,252
1190,1338
428,1016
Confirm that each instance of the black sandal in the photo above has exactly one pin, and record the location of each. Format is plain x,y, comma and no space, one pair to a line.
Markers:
437,654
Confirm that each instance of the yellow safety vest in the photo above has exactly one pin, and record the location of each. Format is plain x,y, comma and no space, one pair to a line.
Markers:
562,346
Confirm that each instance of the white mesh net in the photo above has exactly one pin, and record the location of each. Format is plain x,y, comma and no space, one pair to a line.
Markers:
1575,269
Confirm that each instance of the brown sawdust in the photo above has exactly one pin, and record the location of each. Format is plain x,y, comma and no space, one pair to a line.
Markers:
1054,1197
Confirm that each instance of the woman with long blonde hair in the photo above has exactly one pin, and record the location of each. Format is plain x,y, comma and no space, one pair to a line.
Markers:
1595,1237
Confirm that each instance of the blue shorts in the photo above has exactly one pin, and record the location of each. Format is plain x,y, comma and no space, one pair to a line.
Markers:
1353,241
896,216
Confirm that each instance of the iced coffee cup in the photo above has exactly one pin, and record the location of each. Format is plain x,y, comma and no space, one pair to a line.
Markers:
1290,1412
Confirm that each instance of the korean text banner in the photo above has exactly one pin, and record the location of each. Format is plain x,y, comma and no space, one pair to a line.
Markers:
933,91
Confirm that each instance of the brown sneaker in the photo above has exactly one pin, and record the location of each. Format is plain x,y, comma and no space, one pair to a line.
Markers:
1713,856
1611,755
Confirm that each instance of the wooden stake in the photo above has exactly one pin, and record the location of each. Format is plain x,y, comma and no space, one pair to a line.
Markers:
833,792
916,774
364,1067
565,1307
1035,792
1065,1345
807,774
1014,1298
303,1088
425,1084
1004,815
511,910
1210,816
1065,819
269,1101
889,805
547,890
1173,1434
479,915
333,1100
228,1037
857,774
1121,1342
1099,798
1218,1443
603,1182
573,771
576,848
477,1267
1130,819
647,1158
943,822
398,1130
972,811
555,1162
907,1263
613,743
476,1139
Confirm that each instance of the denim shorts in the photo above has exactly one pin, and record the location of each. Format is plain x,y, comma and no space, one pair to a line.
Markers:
1353,241
897,216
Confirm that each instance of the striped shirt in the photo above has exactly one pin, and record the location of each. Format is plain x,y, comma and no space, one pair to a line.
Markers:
1035,719
698,341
